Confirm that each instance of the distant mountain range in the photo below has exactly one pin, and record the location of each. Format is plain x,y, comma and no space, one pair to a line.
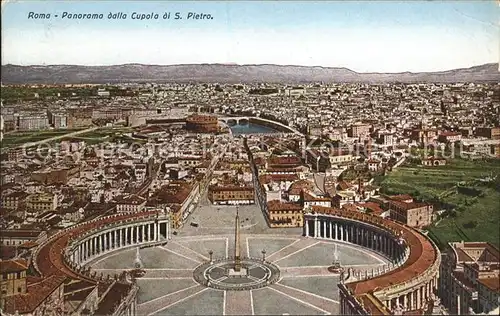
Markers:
222,73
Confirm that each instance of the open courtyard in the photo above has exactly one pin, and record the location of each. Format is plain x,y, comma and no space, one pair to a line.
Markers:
305,286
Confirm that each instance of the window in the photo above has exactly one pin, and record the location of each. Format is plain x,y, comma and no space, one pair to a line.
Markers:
19,290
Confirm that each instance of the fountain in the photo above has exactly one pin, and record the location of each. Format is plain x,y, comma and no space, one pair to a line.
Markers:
138,270
336,267
238,272
138,261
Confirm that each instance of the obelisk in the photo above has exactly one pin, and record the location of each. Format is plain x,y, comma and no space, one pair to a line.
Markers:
237,264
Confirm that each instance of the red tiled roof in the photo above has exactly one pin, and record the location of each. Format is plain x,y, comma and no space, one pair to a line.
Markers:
230,188
264,179
276,205
20,233
462,255
284,169
310,198
493,284
175,192
485,245
300,185
7,252
350,207
343,185
407,206
36,294
372,206
293,160
28,245
401,197
16,265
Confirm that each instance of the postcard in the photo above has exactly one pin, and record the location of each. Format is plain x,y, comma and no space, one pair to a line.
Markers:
250,158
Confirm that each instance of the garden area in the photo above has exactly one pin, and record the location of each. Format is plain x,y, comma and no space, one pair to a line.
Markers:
468,193
19,138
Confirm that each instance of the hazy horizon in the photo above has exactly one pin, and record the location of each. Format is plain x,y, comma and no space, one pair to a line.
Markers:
376,36
243,65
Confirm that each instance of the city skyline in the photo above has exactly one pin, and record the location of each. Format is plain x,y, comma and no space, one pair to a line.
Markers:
400,37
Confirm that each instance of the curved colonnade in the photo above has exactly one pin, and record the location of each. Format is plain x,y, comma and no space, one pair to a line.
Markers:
407,283
66,252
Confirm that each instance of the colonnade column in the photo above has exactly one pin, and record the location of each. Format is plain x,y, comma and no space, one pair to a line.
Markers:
157,231
419,302
324,229
106,241
315,227
331,229
84,255
355,234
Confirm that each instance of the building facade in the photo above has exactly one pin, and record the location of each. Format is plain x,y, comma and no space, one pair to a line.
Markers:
13,277
413,214
41,202
469,282
231,195
283,214
202,124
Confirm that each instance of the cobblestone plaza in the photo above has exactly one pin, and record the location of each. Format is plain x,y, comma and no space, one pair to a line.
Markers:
304,287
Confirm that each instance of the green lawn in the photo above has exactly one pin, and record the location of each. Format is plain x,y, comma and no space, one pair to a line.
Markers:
476,218
18,138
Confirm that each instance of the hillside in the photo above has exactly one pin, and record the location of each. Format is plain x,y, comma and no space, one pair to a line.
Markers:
52,74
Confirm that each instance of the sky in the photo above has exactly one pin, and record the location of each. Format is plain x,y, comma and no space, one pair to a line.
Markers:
365,36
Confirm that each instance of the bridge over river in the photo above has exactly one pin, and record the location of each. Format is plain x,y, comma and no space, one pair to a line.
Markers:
243,120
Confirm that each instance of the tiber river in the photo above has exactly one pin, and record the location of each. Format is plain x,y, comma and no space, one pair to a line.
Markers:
250,128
